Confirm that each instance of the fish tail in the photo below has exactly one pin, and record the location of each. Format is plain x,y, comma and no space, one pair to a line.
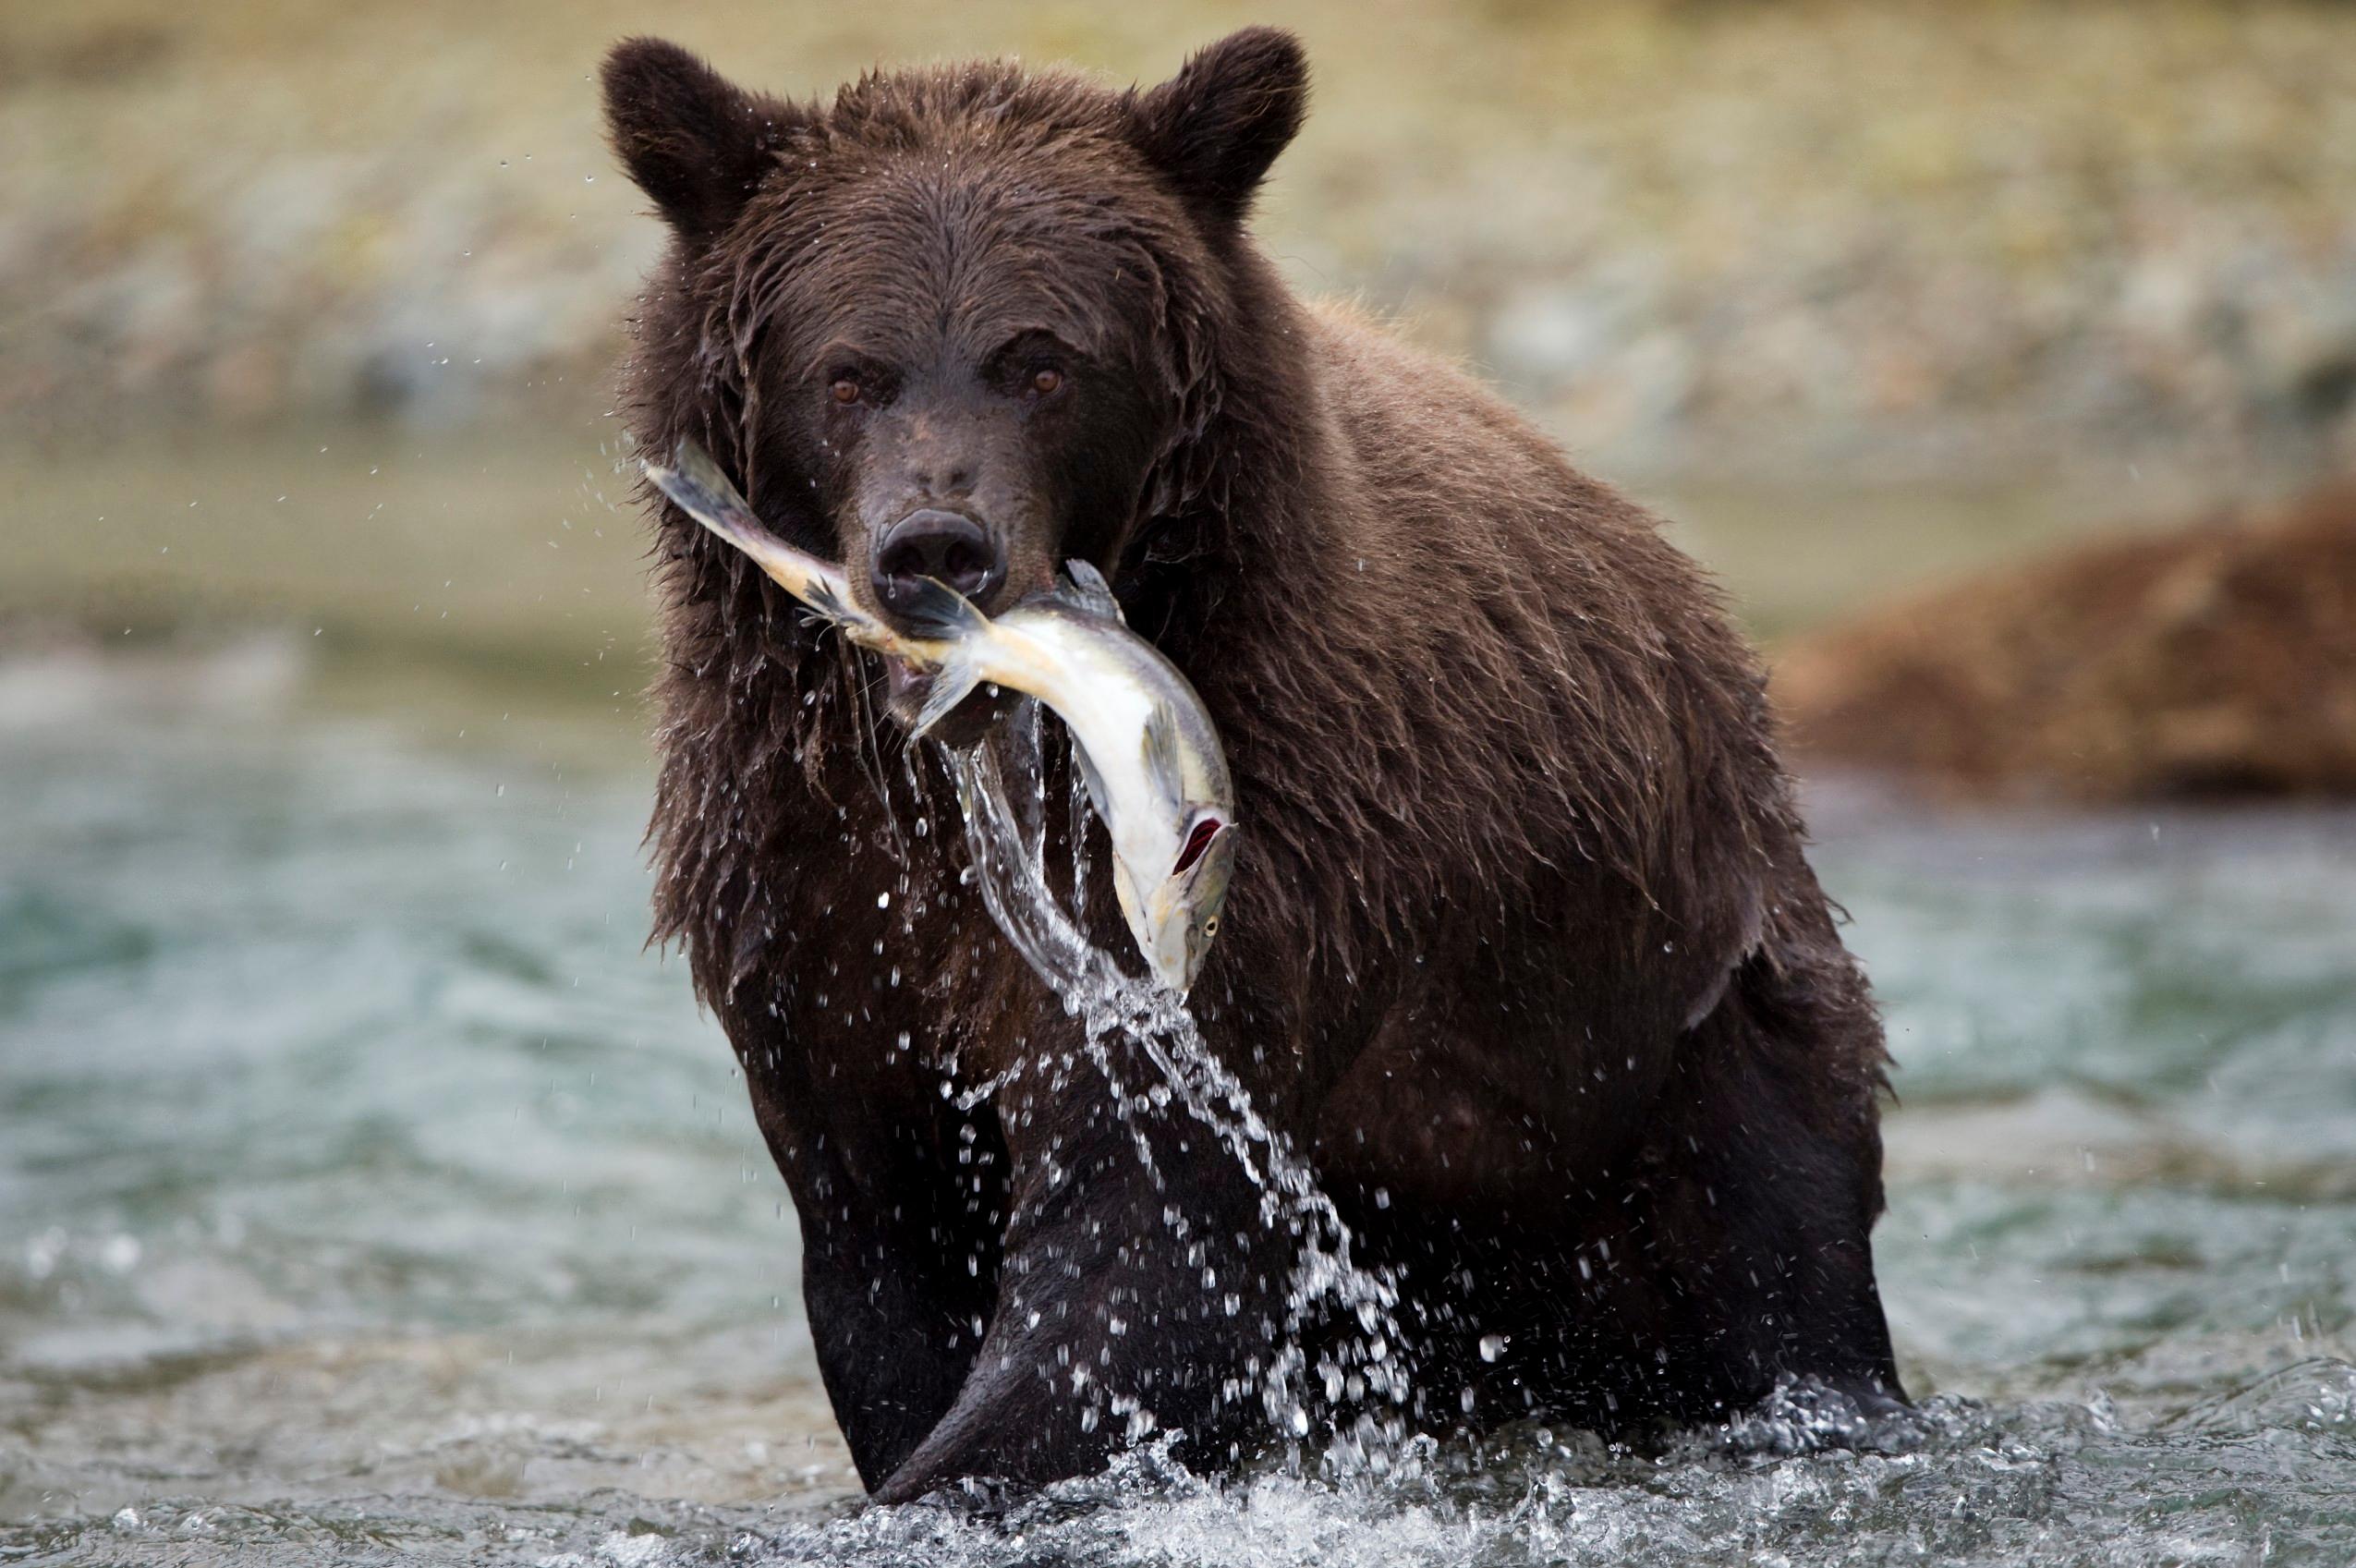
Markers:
695,485
698,488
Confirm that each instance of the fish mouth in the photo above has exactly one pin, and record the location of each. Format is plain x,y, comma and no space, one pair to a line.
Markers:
1160,925
905,686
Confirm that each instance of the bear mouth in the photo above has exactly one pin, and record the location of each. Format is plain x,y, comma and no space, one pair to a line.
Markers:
905,686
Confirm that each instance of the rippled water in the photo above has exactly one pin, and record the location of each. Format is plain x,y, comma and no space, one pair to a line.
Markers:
366,1192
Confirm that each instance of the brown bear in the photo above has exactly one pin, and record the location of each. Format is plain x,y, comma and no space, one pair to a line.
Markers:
1522,953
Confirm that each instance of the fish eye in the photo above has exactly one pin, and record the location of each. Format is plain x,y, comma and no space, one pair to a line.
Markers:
1198,842
1210,927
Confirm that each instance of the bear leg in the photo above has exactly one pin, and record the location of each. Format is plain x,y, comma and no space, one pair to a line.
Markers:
1139,1285
1762,1181
899,1263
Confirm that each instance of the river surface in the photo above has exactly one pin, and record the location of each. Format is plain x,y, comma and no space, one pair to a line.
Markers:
367,1192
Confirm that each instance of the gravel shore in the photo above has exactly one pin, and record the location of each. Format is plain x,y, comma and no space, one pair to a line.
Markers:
1909,241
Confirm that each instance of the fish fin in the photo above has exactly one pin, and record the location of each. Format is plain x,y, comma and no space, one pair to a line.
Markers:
952,682
937,613
1162,749
1084,587
824,603
1092,780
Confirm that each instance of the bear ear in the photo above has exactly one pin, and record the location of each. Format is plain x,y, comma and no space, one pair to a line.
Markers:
1216,127
693,140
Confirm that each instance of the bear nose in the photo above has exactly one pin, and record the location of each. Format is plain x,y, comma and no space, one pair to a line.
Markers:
948,547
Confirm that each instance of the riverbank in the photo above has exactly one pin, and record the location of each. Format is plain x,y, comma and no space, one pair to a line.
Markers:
503,547
1821,239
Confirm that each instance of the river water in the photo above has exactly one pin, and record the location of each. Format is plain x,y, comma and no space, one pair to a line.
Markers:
368,1193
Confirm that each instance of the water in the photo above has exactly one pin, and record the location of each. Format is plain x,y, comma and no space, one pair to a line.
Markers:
1002,794
368,1194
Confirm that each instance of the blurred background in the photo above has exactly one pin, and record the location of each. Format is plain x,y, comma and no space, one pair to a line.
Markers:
363,1184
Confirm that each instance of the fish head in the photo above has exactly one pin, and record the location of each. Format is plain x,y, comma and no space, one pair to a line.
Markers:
1174,906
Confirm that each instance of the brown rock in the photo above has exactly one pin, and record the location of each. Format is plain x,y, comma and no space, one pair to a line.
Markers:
2219,659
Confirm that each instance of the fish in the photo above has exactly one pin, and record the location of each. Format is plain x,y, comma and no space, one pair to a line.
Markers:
1148,752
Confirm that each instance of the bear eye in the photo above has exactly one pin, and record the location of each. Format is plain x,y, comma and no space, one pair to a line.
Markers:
1044,380
844,390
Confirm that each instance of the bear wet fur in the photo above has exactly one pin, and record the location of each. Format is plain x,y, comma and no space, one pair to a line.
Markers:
1522,947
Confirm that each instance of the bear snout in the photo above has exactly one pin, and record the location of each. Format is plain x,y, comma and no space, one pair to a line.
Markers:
949,547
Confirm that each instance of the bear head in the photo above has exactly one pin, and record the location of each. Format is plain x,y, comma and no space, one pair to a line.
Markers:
960,324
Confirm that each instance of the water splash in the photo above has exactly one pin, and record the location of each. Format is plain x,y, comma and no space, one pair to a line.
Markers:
1352,1398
